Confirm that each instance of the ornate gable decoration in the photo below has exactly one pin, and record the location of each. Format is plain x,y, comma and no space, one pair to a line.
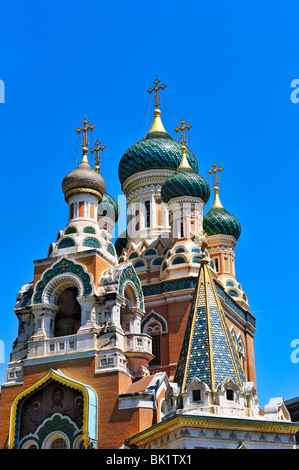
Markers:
61,267
116,278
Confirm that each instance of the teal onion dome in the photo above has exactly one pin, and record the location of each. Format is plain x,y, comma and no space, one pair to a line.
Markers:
185,182
108,207
121,242
157,150
219,221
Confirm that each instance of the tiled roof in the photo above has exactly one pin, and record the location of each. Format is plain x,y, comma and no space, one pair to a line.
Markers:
140,385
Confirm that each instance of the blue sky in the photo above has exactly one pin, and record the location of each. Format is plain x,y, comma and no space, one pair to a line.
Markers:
228,66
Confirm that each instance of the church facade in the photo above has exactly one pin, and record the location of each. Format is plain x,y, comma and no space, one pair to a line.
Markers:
146,343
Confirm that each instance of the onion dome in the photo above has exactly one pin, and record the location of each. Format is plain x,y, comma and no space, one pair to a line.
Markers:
185,182
108,207
220,221
121,242
157,150
83,180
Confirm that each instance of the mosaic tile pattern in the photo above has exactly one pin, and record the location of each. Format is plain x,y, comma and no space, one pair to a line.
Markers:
63,266
190,282
92,242
89,230
110,249
219,221
66,243
198,358
156,150
108,207
185,182
70,230
150,252
120,243
129,274
179,260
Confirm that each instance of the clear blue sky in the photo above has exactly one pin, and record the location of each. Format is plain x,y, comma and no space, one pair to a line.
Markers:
228,66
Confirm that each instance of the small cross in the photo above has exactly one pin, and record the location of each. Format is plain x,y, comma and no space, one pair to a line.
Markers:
84,129
182,129
96,149
156,89
215,171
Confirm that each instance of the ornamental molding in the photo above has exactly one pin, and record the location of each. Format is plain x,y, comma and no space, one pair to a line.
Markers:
155,176
60,273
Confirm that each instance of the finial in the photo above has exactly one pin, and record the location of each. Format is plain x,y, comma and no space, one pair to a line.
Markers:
184,162
98,147
202,243
85,139
216,170
156,88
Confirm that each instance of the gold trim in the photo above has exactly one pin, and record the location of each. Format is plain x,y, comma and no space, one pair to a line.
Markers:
211,361
216,422
51,374
217,202
74,191
190,338
225,329
157,125
184,162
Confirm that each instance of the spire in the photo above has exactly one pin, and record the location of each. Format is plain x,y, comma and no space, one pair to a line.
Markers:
208,351
216,170
157,124
85,139
184,162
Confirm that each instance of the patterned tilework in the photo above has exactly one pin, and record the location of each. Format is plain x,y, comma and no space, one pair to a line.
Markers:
66,243
70,230
129,274
120,243
89,230
218,220
92,242
110,249
156,150
190,282
108,207
63,266
214,361
224,353
185,182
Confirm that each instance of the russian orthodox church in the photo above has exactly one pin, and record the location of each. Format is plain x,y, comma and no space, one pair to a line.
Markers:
146,343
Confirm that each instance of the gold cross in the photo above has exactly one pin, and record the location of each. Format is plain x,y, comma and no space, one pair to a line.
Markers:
96,149
156,89
84,129
182,129
215,171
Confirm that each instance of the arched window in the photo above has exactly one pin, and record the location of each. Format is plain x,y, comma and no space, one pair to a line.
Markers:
154,330
68,318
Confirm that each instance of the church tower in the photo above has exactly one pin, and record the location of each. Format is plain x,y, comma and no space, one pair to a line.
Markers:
150,349
79,342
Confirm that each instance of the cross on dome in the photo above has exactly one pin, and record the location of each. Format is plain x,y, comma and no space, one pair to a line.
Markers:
85,139
156,89
96,149
182,130
215,170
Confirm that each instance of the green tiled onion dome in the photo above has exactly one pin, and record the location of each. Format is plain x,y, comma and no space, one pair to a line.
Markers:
185,182
108,207
157,150
121,242
219,221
